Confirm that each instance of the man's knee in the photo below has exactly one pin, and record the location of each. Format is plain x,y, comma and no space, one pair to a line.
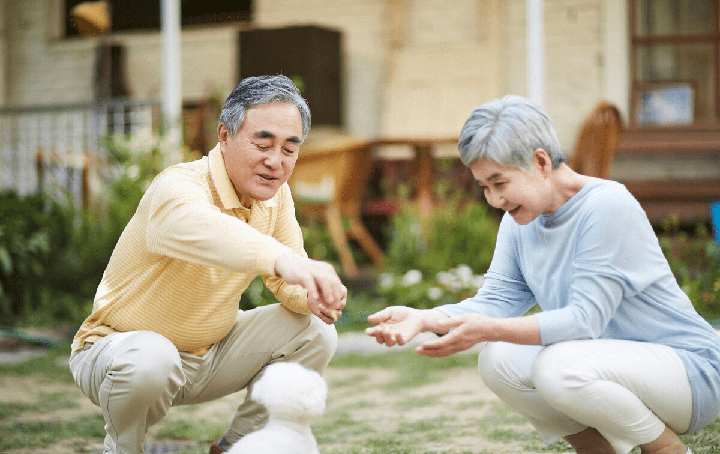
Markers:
303,332
326,336
150,364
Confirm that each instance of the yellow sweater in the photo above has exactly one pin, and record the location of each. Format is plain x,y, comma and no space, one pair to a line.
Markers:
188,254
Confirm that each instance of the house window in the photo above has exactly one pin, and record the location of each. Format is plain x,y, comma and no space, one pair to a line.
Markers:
145,14
675,62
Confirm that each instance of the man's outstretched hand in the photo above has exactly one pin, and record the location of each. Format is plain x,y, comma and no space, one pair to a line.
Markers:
326,293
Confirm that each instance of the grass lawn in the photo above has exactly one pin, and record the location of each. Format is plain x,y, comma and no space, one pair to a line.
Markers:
392,403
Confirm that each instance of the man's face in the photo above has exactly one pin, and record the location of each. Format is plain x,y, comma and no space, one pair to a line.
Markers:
262,155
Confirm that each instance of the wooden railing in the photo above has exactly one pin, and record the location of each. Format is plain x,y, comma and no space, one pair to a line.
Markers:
58,148
687,199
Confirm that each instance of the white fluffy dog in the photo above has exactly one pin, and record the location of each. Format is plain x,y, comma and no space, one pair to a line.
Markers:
294,396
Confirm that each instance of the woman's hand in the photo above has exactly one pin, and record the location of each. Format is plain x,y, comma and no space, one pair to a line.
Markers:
471,329
463,333
398,325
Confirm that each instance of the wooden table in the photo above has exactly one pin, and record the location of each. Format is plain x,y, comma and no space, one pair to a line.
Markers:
331,175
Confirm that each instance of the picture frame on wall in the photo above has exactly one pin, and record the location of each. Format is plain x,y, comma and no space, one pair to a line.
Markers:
665,104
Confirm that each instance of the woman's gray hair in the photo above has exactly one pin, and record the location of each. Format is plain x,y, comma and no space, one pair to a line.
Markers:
253,91
508,131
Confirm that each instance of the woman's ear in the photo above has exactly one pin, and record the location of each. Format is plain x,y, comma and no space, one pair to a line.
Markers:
541,159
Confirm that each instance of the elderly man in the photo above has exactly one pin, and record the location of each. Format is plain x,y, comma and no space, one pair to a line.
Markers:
165,328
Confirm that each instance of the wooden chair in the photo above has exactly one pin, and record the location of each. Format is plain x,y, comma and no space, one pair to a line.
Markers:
597,141
329,177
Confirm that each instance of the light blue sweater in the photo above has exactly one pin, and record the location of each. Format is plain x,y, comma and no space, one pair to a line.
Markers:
596,270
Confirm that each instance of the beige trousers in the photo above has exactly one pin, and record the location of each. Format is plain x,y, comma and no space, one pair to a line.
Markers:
135,377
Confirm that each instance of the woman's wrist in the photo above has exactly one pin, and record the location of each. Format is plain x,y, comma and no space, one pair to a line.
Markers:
429,317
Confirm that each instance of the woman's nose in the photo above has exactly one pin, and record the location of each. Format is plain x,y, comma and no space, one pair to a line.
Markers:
494,199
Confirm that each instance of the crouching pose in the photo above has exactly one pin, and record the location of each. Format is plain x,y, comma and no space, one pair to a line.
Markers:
165,328
617,357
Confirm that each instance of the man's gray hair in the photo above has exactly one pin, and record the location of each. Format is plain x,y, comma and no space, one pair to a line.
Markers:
508,131
253,91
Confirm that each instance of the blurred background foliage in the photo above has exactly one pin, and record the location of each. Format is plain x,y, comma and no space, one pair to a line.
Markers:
52,255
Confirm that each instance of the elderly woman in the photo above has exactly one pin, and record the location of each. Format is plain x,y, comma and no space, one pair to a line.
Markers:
617,357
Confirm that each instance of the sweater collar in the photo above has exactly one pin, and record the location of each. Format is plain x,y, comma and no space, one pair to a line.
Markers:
224,185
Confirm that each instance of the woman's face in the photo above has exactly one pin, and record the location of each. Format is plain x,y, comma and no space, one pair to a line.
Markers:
524,194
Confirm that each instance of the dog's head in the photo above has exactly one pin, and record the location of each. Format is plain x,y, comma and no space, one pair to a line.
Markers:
291,391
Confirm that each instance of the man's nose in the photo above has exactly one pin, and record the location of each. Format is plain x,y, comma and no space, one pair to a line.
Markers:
273,158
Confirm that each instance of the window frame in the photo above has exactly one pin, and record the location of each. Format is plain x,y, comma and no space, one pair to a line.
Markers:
187,19
637,41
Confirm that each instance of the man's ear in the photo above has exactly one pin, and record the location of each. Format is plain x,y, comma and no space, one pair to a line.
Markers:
223,133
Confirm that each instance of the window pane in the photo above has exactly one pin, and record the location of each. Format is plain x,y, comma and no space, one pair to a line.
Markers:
692,65
674,17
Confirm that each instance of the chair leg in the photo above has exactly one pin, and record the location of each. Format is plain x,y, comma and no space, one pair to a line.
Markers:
367,242
337,232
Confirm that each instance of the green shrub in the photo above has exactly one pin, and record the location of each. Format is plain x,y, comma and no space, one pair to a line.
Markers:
695,261
52,256
457,234
442,261
34,232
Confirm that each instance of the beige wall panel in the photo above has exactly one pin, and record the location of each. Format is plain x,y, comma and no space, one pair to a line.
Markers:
364,49
209,62
574,55
433,91
42,70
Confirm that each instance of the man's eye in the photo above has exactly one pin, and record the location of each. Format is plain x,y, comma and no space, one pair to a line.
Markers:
289,151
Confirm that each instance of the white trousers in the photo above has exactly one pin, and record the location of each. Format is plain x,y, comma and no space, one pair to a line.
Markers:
136,377
628,391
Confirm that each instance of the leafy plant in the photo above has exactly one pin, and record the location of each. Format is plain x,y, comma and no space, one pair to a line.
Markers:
423,292
34,231
438,262
695,262
457,233
52,255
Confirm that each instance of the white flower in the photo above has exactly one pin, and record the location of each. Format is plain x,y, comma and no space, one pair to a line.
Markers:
412,277
465,274
386,280
478,281
454,285
133,172
443,277
434,293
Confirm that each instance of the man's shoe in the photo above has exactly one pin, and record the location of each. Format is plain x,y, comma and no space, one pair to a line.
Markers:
215,449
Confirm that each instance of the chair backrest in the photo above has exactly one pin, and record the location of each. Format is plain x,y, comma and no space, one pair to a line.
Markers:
597,141
332,172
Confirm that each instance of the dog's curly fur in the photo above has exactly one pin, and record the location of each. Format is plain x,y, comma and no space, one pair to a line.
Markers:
294,396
